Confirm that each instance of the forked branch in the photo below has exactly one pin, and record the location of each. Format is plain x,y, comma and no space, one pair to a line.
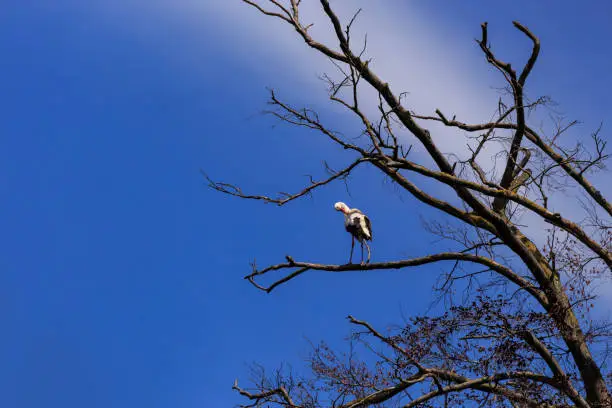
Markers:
509,174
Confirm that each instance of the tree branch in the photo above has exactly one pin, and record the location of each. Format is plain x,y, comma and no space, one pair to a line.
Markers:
564,383
509,174
444,256
281,391
534,53
309,119
237,192
487,384
537,140
553,218
387,341
386,393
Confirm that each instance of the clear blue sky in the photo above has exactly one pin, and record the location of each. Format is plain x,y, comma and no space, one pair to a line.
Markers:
121,273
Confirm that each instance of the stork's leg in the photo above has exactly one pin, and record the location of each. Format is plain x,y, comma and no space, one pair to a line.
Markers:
352,247
368,247
362,241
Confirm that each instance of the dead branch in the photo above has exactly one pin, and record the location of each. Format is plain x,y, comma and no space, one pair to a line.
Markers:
309,119
508,176
537,140
283,198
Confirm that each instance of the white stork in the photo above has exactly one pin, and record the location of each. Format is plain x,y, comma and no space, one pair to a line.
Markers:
358,225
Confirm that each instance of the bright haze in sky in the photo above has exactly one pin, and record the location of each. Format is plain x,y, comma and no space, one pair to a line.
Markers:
121,281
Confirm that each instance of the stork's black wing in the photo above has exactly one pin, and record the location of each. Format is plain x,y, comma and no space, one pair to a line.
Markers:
369,225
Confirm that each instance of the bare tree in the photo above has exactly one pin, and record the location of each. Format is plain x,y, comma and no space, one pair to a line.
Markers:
523,338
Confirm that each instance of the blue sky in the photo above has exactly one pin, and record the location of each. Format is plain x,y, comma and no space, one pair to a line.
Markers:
121,279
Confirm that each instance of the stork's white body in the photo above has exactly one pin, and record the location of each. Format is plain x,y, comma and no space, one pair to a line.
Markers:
358,225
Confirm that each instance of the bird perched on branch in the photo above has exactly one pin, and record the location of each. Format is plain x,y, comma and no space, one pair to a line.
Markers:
358,225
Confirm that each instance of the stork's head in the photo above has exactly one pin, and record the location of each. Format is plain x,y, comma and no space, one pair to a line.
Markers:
340,206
